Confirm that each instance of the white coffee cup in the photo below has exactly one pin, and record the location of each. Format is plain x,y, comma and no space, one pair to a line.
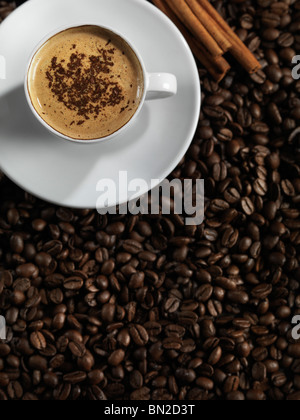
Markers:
156,86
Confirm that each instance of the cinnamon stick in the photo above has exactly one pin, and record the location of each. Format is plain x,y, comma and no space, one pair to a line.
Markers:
218,67
186,15
211,25
239,50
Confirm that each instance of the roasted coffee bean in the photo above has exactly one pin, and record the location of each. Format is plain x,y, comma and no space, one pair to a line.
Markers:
139,335
95,377
260,187
42,259
124,338
208,328
247,206
27,271
38,341
62,392
137,280
96,394
239,297
175,330
204,293
4,380
108,312
215,356
255,395
86,362
205,383
73,283
115,228
116,358
51,380
220,171
259,77
39,225
38,363
13,216
172,305
259,372
77,349
108,268
15,390
136,380
294,350
231,384
186,376
271,34
153,328
235,396
75,377
172,343
225,135
17,243
232,196
142,394
226,283
187,318
132,247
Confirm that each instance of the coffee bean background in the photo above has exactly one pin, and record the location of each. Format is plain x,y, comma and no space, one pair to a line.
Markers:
146,308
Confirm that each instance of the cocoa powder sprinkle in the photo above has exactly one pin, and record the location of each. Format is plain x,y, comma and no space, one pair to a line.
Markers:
84,84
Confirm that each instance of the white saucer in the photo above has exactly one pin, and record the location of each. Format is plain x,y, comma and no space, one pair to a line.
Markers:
65,173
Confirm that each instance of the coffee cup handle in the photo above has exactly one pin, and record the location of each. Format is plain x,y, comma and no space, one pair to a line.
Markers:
161,86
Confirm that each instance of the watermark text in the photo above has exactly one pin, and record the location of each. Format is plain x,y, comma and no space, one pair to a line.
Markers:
296,69
2,328
181,197
296,329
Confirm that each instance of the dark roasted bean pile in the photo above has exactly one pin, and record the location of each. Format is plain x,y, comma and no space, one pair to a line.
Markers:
146,308
5,9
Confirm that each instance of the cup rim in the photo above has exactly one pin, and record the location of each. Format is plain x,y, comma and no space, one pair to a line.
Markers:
56,132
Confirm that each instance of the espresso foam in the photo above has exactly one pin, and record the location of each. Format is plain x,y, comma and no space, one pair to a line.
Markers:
86,82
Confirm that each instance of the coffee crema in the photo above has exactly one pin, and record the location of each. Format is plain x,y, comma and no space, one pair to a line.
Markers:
86,82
